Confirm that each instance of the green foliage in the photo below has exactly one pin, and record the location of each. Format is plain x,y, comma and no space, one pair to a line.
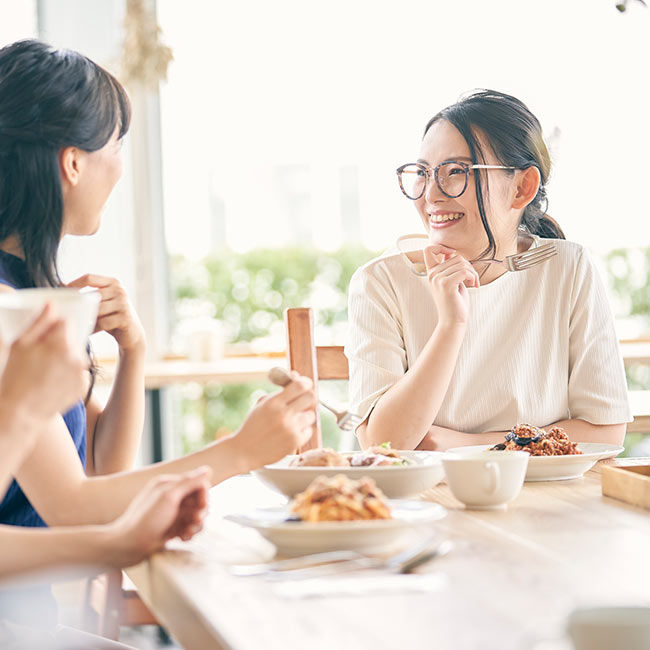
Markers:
249,293
629,276
629,272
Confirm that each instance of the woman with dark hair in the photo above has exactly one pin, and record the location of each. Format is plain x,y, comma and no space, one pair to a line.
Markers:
62,118
462,354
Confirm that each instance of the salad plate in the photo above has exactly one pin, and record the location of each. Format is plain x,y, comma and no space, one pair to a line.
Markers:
420,471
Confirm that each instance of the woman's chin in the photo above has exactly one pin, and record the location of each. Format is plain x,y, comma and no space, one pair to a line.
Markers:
444,238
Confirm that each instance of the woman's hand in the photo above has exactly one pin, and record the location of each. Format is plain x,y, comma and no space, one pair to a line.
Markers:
449,276
278,424
168,506
45,373
116,315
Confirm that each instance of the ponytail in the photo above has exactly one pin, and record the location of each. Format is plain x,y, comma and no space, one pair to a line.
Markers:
536,221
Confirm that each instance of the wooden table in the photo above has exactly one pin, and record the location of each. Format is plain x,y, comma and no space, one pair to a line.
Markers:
512,578
230,370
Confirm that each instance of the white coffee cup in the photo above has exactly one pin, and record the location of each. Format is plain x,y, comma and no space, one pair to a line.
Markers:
610,628
485,480
78,309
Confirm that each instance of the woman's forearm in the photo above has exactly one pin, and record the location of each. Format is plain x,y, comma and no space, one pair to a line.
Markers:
583,431
101,499
404,414
12,452
17,437
441,438
26,550
118,427
53,479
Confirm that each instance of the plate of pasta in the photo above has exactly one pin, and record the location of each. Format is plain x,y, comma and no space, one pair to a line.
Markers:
554,457
339,513
398,473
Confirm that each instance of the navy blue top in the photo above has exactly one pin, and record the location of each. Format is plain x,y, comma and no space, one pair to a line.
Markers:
15,509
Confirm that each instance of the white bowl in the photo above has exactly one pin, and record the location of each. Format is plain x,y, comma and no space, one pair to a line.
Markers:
604,628
396,482
299,537
18,310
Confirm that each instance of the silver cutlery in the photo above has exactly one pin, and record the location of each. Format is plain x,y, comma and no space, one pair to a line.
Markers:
405,562
525,260
345,420
518,262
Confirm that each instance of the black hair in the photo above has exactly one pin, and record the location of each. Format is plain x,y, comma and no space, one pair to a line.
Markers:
515,136
49,99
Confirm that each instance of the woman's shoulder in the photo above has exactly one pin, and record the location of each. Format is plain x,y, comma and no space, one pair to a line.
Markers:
575,269
570,255
565,248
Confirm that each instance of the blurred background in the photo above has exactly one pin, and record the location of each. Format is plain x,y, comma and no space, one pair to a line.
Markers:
260,166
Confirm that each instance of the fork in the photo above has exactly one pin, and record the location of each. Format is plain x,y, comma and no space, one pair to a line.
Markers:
405,562
345,420
517,262
525,260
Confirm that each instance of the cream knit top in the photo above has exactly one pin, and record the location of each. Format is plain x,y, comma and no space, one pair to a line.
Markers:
540,344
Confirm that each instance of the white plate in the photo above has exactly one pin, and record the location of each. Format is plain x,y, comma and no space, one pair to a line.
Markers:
558,468
299,537
395,482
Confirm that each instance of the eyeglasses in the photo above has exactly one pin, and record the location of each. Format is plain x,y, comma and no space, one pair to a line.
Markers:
451,177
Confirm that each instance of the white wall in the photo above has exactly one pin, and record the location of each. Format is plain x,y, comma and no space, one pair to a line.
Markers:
17,20
353,82
94,29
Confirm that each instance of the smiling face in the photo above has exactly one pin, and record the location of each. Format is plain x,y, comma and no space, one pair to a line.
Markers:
457,222
88,178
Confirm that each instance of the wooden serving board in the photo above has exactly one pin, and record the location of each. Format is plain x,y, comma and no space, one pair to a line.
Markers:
631,484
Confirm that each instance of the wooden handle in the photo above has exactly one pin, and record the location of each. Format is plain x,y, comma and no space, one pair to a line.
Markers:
279,376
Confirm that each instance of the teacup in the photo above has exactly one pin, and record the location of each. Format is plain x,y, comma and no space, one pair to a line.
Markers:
78,309
604,628
485,480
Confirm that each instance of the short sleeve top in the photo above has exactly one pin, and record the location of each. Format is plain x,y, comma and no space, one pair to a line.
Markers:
15,508
540,344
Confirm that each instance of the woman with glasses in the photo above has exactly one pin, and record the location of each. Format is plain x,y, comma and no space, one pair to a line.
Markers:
460,353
